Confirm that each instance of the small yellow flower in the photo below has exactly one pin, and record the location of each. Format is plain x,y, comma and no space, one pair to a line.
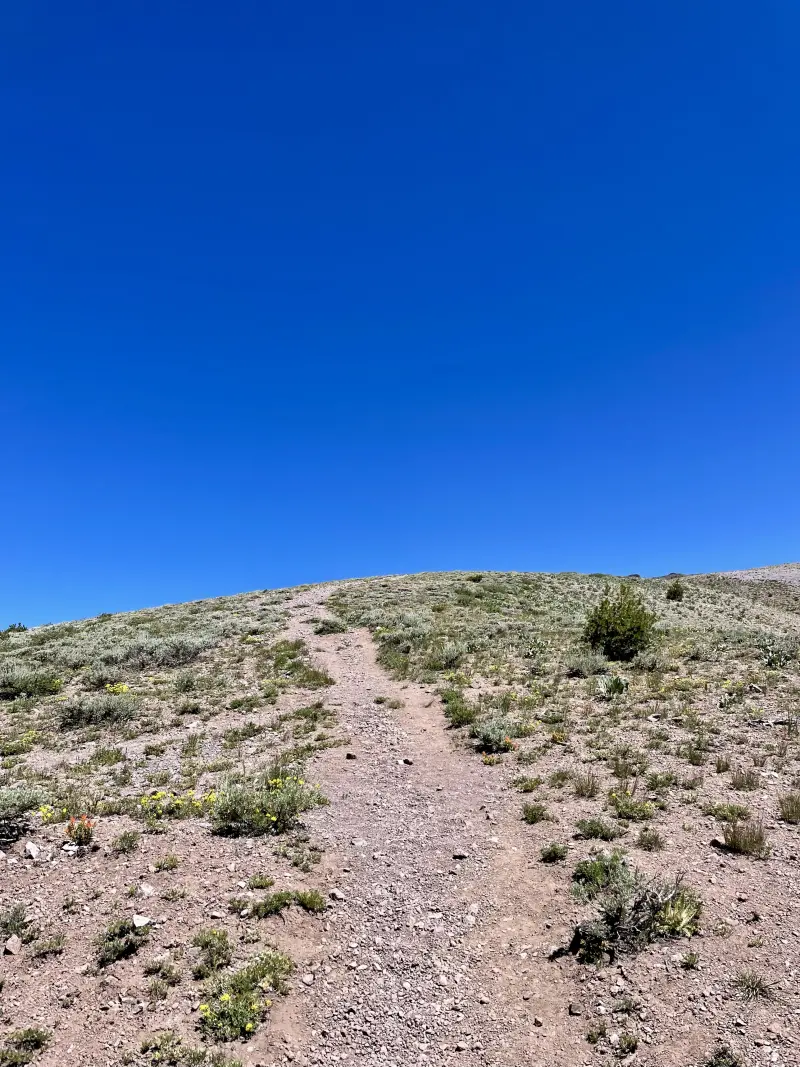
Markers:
225,998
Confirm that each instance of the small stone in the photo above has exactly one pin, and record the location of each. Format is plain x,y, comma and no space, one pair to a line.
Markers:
32,850
408,762
13,945
140,921
336,894
537,1021
575,1009
350,755
308,979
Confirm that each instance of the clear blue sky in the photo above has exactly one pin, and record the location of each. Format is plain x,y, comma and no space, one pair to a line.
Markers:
304,291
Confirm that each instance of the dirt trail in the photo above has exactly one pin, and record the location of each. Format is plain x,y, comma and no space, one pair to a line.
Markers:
437,951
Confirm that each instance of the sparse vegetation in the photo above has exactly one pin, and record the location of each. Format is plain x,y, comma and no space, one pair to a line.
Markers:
215,950
597,829
127,841
746,779
586,784
202,713
650,840
120,939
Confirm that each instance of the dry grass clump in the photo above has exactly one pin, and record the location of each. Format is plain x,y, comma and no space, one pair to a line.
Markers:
789,805
746,839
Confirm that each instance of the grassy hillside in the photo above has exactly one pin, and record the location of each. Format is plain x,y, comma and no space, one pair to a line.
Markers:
134,746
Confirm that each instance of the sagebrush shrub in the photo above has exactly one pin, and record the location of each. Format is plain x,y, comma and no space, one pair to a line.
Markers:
264,803
633,911
16,682
101,710
619,627
494,735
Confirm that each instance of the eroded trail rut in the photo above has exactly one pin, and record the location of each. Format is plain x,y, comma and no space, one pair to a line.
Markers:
436,951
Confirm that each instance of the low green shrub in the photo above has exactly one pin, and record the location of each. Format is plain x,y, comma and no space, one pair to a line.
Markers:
21,1046
597,829
236,1003
632,910
533,813
215,952
166,1049
746,839
650,840
119,940
330,626
627,807
553,853
493,735
676,591
457,709
789,805
17,682
619,627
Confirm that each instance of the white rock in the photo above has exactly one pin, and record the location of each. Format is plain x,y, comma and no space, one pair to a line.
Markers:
140,921
32,850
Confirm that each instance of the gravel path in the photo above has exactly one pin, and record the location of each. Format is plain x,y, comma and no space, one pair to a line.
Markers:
431,954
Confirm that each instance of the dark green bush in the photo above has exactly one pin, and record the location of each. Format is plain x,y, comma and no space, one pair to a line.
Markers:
457,709
621,627
675,590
